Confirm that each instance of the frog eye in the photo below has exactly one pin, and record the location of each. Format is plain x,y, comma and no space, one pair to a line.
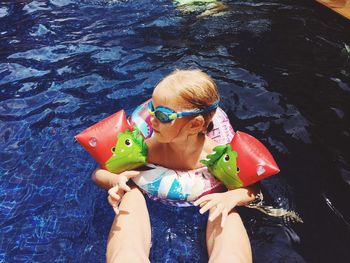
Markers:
112,149
226,158
238,170
128,142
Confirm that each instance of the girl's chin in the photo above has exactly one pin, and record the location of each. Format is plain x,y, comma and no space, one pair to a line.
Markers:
159,138
156,135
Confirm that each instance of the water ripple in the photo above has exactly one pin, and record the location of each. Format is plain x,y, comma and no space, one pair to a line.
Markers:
35,6
3,11
12,72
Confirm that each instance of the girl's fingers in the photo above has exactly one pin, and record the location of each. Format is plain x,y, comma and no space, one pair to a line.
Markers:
113,189
203,204
116,210
130,174
113,193
114,204
205,198
215,213
112,201
124,186
223,217
207,206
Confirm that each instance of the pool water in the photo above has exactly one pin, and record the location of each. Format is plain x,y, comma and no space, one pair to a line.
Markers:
283,71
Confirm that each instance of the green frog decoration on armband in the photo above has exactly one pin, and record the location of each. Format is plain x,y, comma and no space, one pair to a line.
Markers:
223,165
129,152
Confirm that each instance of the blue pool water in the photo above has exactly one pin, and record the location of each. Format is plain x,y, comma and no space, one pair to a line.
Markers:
284,76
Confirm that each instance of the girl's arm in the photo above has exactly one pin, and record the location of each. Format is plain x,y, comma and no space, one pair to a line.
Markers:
104,178
246,195
107,180
114,183
223,203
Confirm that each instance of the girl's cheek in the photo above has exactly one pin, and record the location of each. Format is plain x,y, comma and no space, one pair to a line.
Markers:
154,122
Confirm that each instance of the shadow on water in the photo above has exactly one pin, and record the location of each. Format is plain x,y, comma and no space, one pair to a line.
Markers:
306,66
283,75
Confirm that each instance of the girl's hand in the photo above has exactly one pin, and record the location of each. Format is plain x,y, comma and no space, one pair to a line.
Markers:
114,197
119,188
222,203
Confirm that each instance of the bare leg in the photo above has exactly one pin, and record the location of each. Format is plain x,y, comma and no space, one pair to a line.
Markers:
130,235
230,243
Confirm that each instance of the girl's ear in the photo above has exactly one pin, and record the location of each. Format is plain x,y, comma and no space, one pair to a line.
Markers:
196,124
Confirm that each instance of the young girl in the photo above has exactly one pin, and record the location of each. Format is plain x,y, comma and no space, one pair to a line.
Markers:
179,142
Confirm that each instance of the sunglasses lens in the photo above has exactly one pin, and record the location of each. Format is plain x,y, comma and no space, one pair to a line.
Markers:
162,116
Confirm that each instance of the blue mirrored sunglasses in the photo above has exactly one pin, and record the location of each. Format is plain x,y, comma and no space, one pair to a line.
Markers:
164,114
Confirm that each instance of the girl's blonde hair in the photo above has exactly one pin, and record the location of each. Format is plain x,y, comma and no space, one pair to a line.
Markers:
196,88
